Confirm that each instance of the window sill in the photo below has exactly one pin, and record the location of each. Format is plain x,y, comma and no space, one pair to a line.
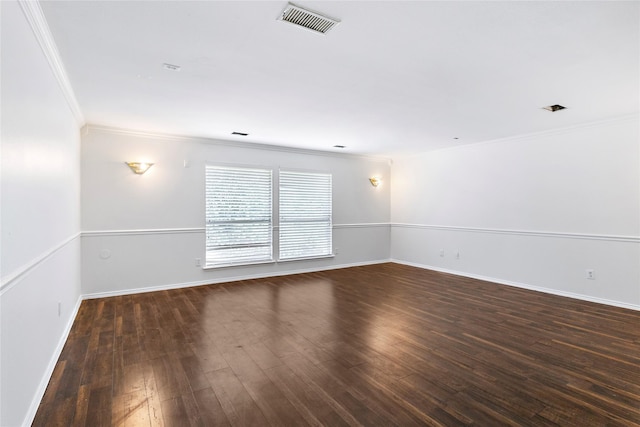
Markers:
246,264
306,258
239,264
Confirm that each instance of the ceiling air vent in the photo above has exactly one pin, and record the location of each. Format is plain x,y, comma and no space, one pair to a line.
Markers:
307,19
554,108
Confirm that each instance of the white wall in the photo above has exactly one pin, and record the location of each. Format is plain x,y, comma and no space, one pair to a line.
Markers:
533,211
145,231
40,218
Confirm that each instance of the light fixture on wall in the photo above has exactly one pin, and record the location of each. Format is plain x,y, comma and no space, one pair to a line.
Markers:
375,181
139,167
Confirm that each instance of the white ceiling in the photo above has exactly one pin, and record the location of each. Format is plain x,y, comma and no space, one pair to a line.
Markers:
393,77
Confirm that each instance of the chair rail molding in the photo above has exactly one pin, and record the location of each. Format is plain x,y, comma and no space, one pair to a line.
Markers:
563,235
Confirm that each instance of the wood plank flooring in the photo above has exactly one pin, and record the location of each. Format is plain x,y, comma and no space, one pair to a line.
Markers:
378,345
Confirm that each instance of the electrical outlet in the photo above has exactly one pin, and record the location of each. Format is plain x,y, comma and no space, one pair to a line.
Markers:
198,262
441,252
590,274
59,309
335,251
458,255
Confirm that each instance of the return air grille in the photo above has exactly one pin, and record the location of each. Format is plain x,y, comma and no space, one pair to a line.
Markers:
307,19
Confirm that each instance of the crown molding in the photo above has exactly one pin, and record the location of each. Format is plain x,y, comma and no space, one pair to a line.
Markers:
631,118
38,23
94,127
567,129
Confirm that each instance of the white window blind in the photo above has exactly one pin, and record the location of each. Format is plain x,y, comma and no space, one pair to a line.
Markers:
305,215
238,216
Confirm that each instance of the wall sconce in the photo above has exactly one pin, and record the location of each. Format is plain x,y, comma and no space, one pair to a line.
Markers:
375,181
139,167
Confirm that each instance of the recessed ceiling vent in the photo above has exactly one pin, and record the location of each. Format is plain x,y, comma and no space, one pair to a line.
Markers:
171,67
307,19
554,108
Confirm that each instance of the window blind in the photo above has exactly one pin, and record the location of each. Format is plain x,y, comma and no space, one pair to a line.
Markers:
238,216
305,215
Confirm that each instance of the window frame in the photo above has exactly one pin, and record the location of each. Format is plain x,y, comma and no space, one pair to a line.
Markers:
275,214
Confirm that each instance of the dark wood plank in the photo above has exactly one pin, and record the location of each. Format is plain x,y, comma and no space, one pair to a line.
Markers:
210,409
274,405
100,408
310,404
153,398
236,402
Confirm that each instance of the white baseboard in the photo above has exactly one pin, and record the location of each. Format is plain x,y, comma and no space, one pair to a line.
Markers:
42,387
523,286
225,280
358,264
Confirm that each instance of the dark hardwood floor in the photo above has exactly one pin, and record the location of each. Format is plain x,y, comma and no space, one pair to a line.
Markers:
375,346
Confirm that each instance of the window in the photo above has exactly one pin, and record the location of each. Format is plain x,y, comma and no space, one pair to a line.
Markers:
305,215
238,216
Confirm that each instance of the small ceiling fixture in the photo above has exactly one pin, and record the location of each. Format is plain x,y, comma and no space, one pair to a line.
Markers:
307,19
339,146
375,181
239,133
139,167
554,108
171,67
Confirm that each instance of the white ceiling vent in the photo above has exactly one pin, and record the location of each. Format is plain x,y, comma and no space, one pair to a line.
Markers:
307,19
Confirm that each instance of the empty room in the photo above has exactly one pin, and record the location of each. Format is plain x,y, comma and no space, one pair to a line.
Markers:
364,213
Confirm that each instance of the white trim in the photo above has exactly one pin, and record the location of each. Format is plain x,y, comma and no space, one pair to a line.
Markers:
238,264
567,235
562,130
523,286
363,225
33,12
240,144
308,258
144,232
46,377
359,264
540,134
10,280
215,281
563,235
